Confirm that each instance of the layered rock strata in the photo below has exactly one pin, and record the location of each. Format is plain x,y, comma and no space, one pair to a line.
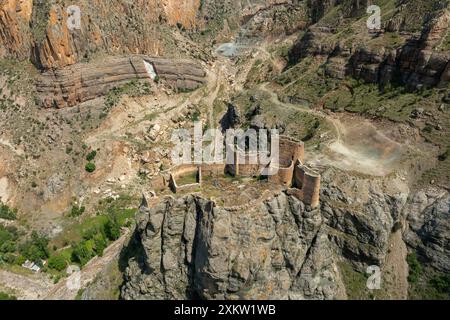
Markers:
75,84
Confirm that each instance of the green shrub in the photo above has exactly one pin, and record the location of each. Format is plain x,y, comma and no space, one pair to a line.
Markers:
77,211
9,258
90,233
441,283
428,129
36,248
82,252
8,246
57,262
415,269
90,167
7,213
5,296
56,279
8,234
112,228
445,155
20,260
91,155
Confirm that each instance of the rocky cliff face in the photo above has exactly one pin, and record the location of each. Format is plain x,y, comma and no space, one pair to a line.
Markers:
280,249
400,52
428,216
39,29
15,35
82,82
193,249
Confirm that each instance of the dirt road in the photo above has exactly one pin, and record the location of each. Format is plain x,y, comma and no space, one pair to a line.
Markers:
26,286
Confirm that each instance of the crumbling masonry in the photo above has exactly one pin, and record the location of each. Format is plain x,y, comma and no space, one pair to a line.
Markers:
291,172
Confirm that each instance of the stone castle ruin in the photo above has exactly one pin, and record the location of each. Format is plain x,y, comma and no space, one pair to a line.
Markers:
290,172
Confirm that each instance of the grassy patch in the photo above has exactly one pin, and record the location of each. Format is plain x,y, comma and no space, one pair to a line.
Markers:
7,213
431,285
134,88
355,282
425,283
186,179
75,230
415,268
5,296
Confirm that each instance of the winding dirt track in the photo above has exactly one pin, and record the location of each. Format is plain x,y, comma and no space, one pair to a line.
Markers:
339,128
359,147
25,287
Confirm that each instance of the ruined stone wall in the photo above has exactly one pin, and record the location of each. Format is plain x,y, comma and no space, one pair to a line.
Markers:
159,183
213,169
306,185
284,175
291,150
250,170
182,170
249,165
305,182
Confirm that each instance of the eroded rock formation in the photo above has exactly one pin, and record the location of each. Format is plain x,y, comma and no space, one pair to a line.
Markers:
15,35
82,82
193,249
277,249
428,215
399,56
39,29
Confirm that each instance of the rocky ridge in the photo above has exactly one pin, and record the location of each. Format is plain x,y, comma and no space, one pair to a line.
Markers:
193,249
75,84
279,249
39,30
414,60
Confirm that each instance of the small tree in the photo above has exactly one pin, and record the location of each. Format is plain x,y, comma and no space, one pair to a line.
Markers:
77,211
415,269
82,253
100,243
112,228
36,248
441,283
90,167
57,262
91,155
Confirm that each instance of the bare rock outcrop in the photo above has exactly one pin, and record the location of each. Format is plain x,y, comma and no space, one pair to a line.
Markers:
231,118
428,216
397,56
15,36
78,83
361,221
38,30
280,249
193,249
